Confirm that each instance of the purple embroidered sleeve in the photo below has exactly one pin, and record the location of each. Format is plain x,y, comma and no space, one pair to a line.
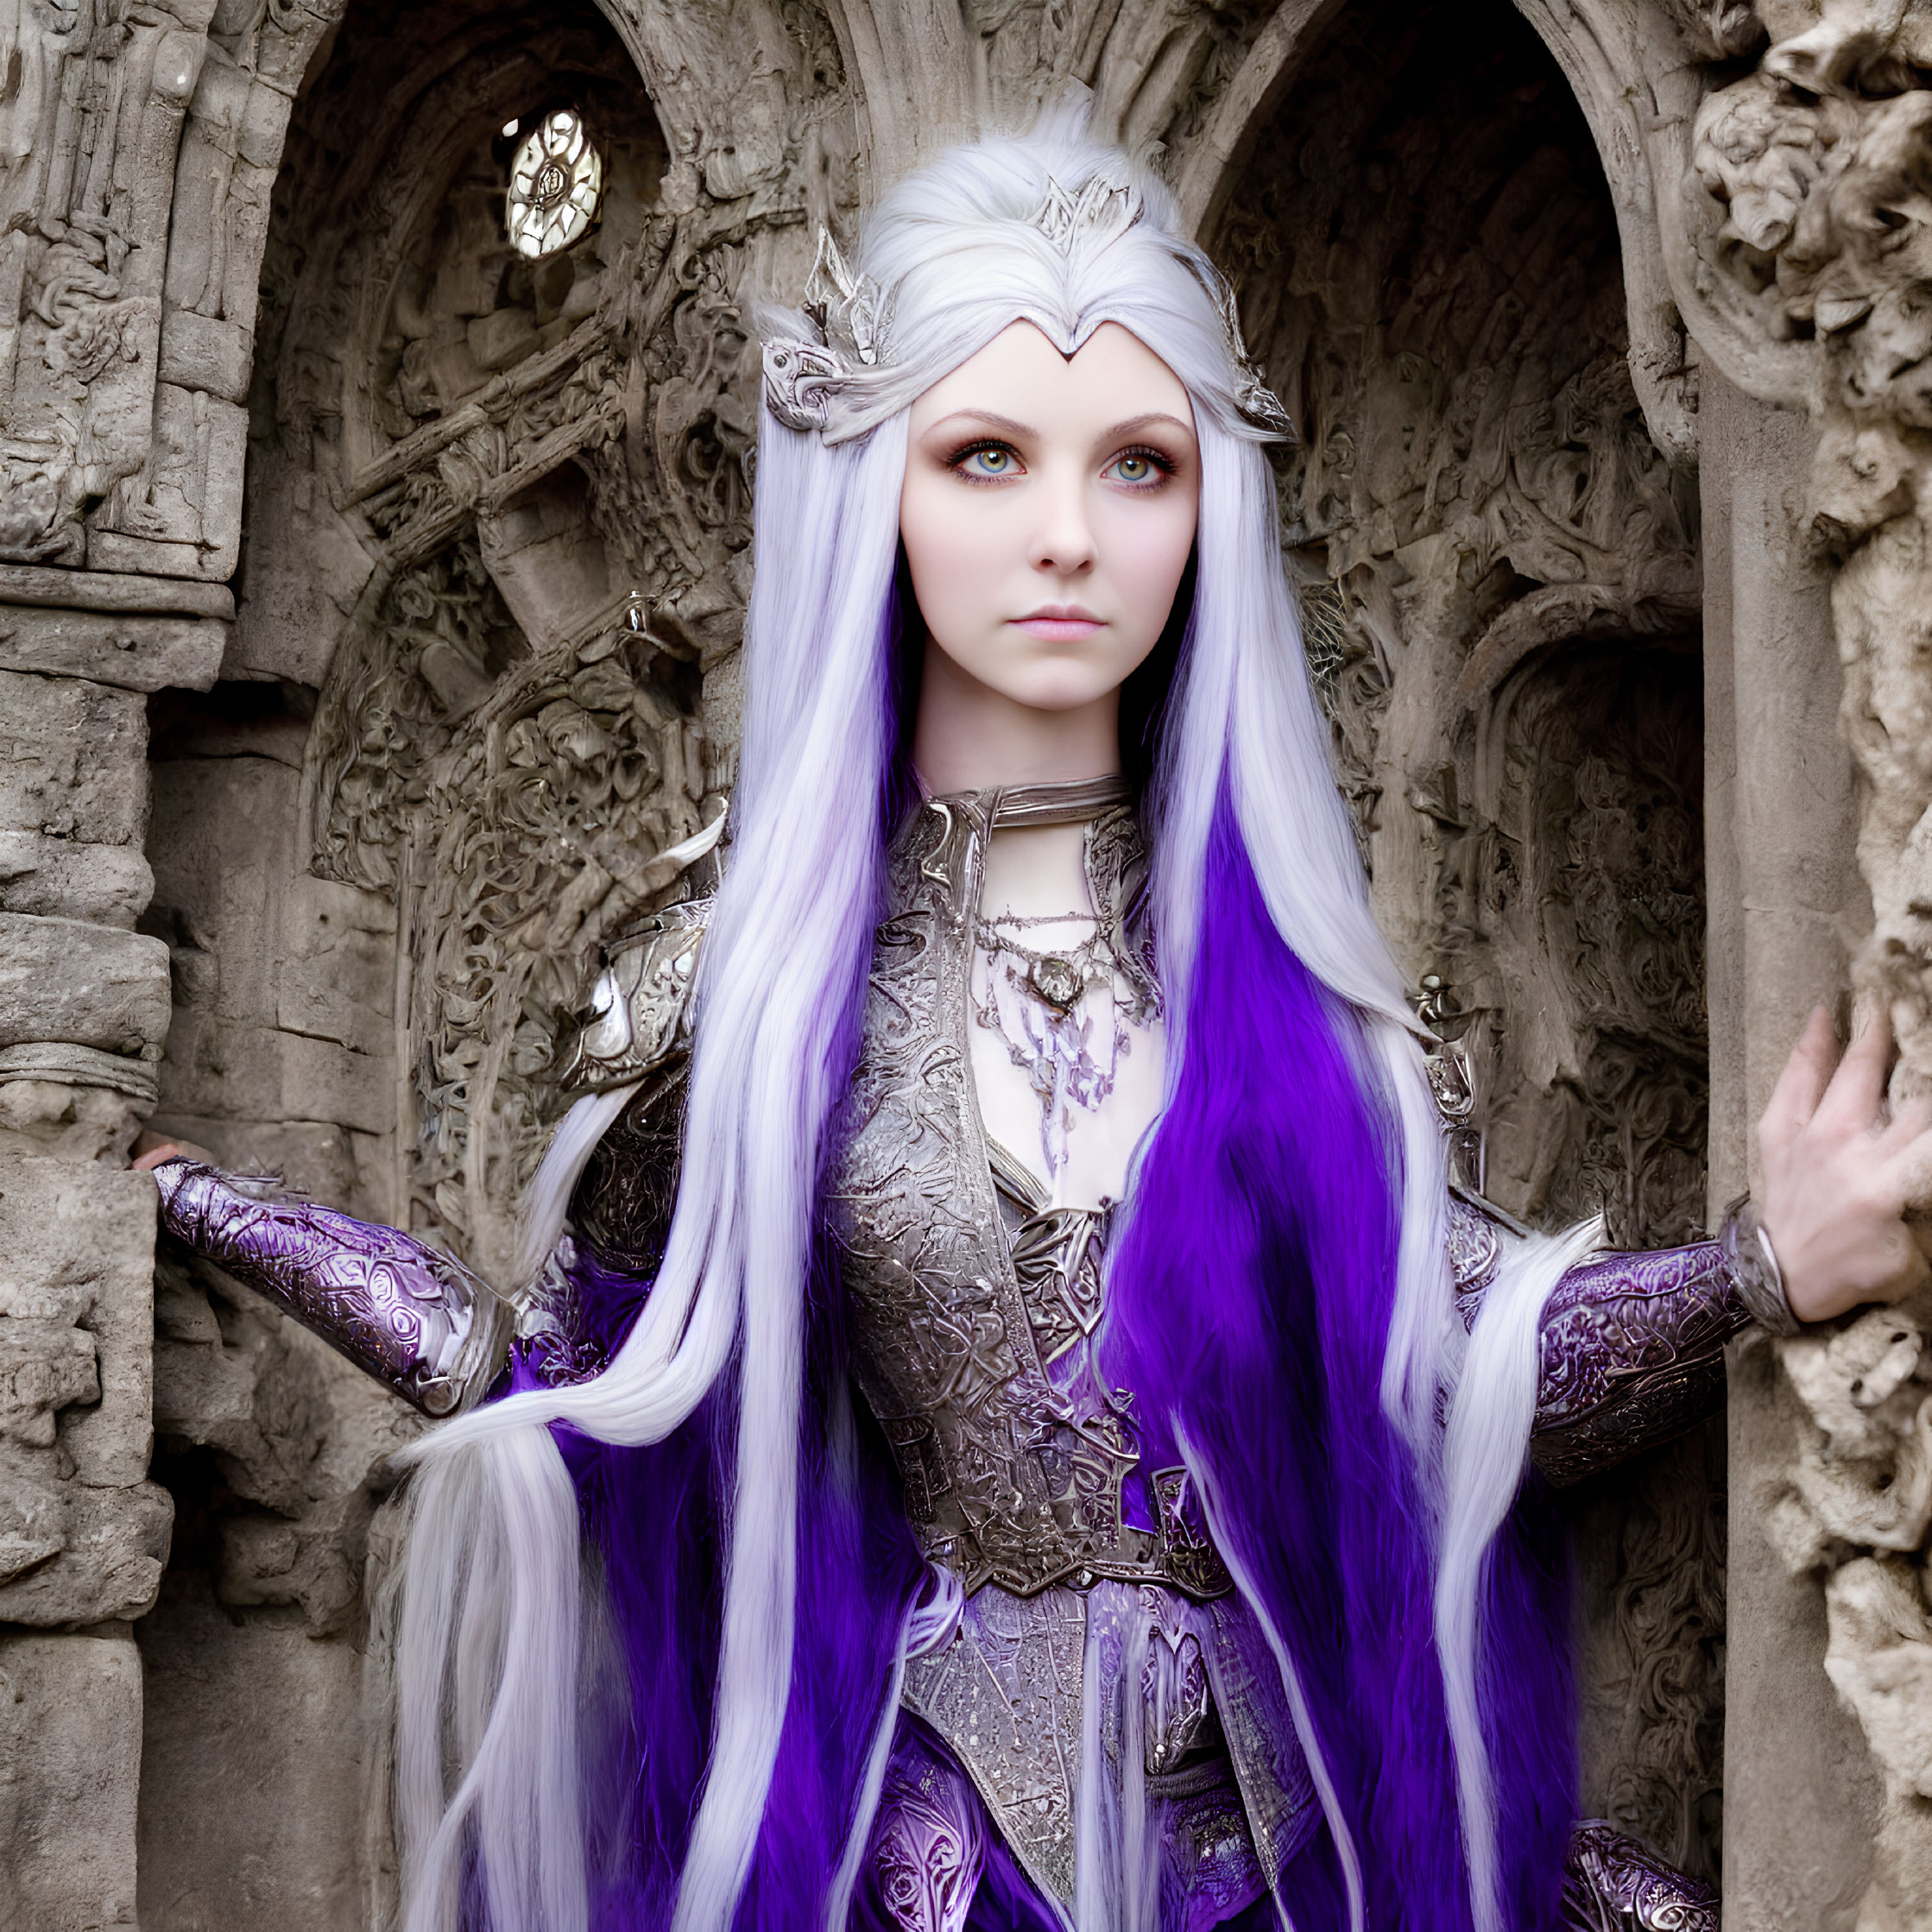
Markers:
1632,1354
415,1318
1633,1345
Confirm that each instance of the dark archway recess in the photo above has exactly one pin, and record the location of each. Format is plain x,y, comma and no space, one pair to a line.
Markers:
1500,575
433,703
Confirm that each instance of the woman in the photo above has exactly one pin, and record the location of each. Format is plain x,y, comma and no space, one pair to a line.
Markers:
1172,1562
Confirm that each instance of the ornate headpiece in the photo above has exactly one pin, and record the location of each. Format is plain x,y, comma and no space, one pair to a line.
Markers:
803,379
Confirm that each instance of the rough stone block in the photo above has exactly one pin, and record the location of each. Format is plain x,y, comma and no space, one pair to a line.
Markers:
115,1548
70,1741
114,549
221,838
337,980
306,568
238,1830
45,1366
56,878
202,352
63,980
68,590
76,1247
136,651
72,759
318,1159
229,1069
188,499
81,1124
34,1517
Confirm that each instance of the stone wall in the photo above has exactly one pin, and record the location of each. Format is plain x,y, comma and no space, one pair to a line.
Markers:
370,597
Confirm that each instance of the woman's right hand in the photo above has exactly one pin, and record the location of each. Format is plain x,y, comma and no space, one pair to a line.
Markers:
150,1150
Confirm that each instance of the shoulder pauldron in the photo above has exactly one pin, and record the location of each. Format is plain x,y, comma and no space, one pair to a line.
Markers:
639,1013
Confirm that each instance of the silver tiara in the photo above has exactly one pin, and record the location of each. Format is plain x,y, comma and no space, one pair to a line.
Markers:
806,379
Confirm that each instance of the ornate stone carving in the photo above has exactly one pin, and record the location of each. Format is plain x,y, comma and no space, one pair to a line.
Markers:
81,252
534,475
542,831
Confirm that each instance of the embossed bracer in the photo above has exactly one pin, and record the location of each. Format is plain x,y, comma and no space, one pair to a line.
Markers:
1614,1884
415,1318
1633,1345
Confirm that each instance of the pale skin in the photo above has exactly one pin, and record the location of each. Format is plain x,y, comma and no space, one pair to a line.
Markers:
1048,514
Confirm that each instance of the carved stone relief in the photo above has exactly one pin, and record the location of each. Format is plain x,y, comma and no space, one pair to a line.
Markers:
543,468
1500,593
89,120
1807,210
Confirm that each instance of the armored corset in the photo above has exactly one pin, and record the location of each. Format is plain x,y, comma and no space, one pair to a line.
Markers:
1013,1474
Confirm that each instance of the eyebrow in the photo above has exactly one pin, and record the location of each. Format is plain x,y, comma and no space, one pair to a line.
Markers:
1131,427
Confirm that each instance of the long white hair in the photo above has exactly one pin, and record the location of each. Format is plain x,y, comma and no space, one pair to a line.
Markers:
491,1622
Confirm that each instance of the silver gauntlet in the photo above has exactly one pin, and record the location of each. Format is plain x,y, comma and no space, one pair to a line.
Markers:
1613,1883
415,1318
1632,1346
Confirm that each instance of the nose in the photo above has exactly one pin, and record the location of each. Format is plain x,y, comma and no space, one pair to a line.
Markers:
1063,540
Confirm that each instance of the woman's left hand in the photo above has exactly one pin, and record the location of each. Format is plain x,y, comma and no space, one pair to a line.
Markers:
1842,1170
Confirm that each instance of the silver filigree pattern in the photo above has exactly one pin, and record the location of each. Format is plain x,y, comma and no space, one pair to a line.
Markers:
806,377
415,1318
1632,1354
1611,1883
640,1005
1010,1478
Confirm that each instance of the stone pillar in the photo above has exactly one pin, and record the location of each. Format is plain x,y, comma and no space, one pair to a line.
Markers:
129,262
84,1011
1806,222
1787,906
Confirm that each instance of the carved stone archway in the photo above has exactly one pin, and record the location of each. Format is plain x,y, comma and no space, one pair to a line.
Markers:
384,859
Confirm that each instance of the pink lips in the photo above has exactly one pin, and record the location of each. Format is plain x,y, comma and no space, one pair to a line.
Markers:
1059,623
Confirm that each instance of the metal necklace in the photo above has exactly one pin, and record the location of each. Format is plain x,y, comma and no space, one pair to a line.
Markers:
1047,1005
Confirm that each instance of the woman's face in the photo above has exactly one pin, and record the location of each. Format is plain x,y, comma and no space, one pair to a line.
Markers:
1049,511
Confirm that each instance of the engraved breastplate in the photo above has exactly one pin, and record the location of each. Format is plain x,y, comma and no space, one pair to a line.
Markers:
1014,1475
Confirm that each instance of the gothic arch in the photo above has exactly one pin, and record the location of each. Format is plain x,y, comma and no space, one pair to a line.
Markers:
1500,575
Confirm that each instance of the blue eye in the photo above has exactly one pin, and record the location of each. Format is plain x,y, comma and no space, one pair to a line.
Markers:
1138,467
989,462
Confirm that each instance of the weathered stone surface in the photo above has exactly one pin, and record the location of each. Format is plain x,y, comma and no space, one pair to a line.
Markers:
270,1835
46,1365
56,878
181,515
223,1067
70,1756
82,1532
1806,219
334,1164
138,651
113,1548
61,980
83,1537
72,759
339,980
76,1244
66,590
57,1116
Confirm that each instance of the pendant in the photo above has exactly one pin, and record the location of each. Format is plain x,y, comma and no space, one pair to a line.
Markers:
1057,982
